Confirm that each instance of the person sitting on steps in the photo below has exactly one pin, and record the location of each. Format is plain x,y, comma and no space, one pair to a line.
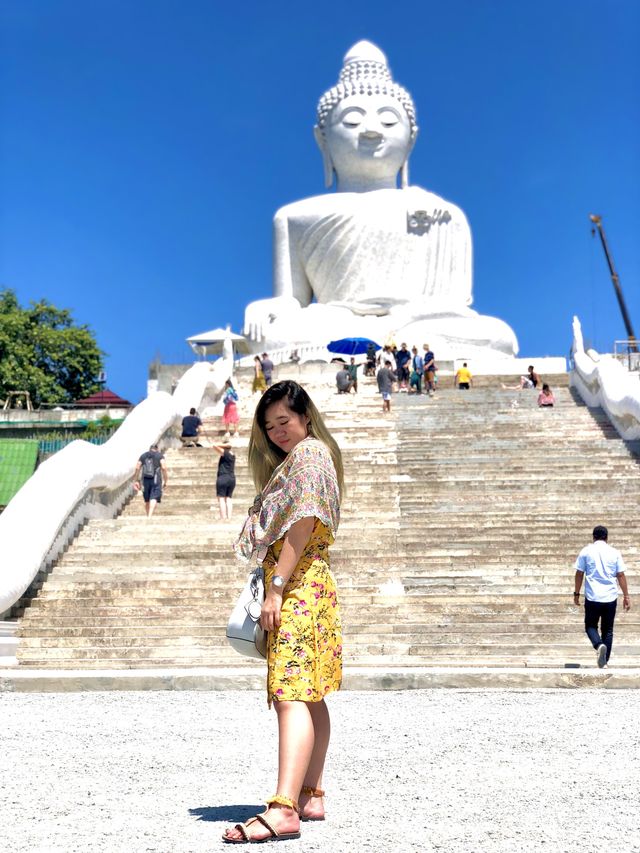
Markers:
546,400
344,382
531,380
191,426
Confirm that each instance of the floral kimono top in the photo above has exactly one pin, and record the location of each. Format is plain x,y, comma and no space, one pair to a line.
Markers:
303,485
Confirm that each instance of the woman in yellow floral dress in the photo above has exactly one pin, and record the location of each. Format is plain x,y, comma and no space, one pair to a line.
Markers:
259,382
297,465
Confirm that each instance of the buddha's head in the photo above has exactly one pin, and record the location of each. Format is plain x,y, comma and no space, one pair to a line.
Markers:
366,123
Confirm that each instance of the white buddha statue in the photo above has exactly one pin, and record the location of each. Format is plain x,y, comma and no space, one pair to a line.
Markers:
373,259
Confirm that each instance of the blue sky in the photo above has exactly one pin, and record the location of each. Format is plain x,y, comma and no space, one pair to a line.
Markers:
146,144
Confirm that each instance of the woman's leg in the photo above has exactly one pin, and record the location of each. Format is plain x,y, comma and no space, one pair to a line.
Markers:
296,732
222,507
228,507
312,807
295,748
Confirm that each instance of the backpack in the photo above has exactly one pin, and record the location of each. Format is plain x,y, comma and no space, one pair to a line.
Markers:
149,466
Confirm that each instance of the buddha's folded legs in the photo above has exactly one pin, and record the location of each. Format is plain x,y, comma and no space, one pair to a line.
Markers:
454,333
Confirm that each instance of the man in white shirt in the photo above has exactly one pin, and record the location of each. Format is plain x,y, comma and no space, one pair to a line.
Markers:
603,569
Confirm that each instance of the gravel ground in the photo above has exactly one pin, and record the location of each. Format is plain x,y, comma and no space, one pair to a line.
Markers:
444,770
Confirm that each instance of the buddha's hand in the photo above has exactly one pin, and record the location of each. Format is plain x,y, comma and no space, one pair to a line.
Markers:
260,315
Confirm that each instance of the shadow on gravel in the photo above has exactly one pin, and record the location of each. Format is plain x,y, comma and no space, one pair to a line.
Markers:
235,814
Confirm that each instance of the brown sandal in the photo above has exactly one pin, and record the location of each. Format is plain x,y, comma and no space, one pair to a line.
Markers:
311,792
243,828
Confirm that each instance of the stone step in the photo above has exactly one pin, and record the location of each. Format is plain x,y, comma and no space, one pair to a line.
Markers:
493,634
204,651
566,656
63,628
202,584
172,577
435,605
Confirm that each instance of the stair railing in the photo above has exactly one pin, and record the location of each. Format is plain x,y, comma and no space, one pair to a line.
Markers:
603,381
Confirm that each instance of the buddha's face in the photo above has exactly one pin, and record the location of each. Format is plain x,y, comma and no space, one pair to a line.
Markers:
368,136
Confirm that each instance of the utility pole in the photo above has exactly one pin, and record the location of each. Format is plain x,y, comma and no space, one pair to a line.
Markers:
597,221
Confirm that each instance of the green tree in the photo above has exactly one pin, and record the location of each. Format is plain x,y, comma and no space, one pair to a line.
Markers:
43,352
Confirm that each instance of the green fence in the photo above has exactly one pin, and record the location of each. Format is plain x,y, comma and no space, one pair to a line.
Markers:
50,446
18,460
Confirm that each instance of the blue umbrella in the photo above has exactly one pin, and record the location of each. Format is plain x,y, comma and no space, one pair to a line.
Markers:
351,346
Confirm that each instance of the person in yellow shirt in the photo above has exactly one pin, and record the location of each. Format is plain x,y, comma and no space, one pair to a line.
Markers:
464,379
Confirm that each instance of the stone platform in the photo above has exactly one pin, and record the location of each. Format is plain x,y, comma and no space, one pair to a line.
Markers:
355,678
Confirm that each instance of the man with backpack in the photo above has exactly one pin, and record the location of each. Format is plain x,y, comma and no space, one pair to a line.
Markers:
152,471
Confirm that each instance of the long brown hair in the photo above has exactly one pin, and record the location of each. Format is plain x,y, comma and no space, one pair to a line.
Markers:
264,455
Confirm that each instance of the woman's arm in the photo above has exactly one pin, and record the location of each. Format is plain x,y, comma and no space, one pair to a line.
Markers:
295,541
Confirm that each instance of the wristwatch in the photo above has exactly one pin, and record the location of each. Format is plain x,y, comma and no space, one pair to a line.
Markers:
278,582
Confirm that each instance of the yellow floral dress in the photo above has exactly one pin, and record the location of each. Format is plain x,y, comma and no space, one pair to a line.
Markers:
304,656
259,382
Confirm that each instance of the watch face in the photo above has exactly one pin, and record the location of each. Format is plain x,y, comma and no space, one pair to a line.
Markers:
278,581
253,610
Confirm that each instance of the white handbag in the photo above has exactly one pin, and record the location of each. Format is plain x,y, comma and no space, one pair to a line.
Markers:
244,632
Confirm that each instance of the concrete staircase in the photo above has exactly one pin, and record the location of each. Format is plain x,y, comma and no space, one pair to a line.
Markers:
462,520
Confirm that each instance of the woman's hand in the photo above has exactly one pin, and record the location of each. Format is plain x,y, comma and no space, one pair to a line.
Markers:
270,615
295,541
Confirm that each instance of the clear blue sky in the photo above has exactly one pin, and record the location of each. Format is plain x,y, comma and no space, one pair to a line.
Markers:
146,144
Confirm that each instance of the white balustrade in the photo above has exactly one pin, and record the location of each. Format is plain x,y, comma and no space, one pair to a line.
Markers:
602,380
86,481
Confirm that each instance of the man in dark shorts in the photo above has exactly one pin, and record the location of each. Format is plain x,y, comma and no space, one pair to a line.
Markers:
385,379
352,369
403,357
429,361
370,366
267,368
191,424
152,471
